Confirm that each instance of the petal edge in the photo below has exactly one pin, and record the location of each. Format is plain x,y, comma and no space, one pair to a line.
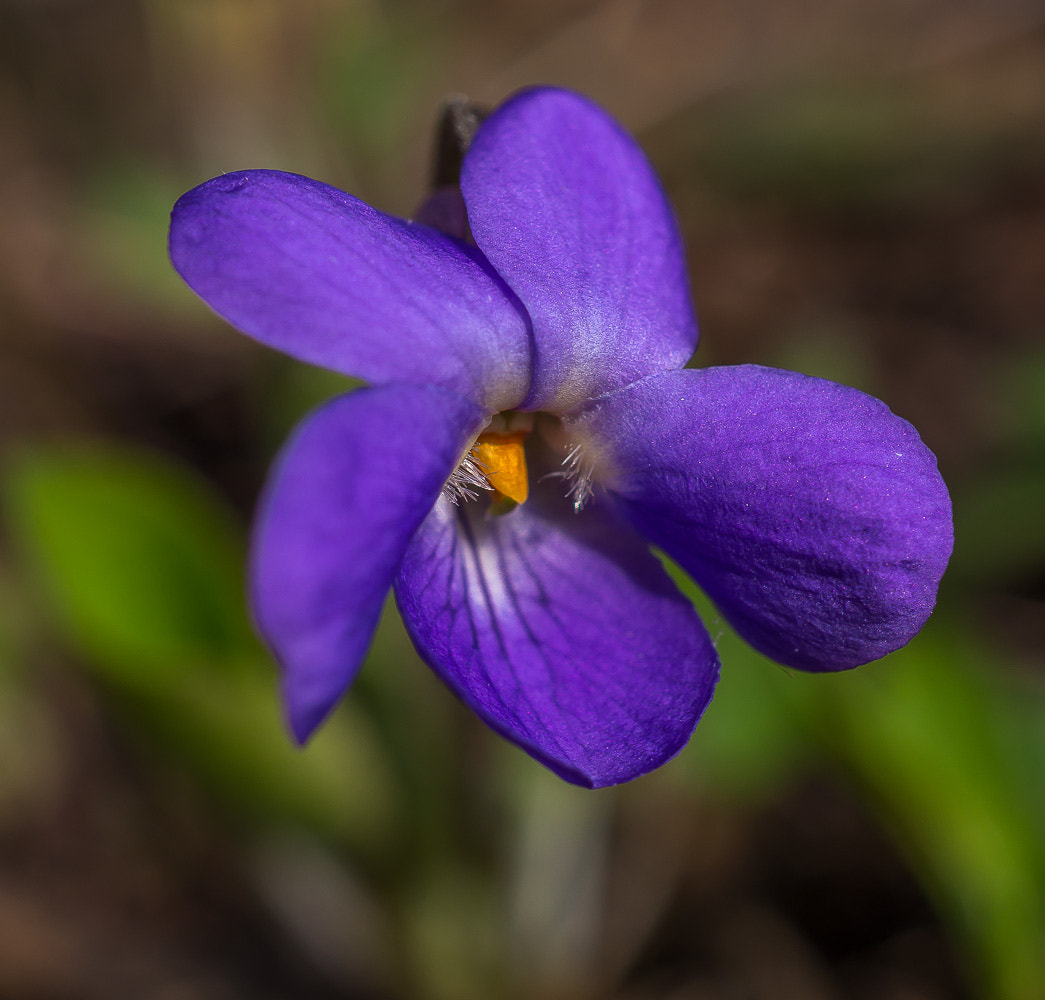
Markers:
566,206
312,271
346,495
562,632
813,517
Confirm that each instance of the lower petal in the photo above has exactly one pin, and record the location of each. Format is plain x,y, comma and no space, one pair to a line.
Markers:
348,492
562,632
813,516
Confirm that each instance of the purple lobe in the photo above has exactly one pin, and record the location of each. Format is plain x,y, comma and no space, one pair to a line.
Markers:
561,632
350,488
314,272
567,208
813,516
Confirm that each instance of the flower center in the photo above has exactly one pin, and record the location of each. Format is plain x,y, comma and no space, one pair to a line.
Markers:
503,461
496,463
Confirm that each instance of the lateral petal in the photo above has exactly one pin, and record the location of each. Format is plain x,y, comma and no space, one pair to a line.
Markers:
352,485
814,517
318,274
562,632
567,208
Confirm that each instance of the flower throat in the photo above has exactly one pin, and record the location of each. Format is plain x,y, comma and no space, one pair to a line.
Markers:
496,464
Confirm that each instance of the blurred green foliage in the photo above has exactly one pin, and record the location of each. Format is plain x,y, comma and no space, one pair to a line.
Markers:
143,569
934,735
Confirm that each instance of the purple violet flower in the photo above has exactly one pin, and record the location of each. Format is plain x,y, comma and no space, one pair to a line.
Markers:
542,363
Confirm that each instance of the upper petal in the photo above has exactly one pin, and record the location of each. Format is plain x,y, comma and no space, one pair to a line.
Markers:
813,516
314,272
349,490
562,632
567,208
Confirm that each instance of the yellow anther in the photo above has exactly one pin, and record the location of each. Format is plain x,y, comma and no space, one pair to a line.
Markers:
503,461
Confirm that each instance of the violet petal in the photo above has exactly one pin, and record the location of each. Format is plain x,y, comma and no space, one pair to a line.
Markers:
348,492
314,272
567,208
562,632
813,516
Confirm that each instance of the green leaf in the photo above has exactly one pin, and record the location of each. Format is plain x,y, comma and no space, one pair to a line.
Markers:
921,730
230,732
143,568
752,737
943,751
142,564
